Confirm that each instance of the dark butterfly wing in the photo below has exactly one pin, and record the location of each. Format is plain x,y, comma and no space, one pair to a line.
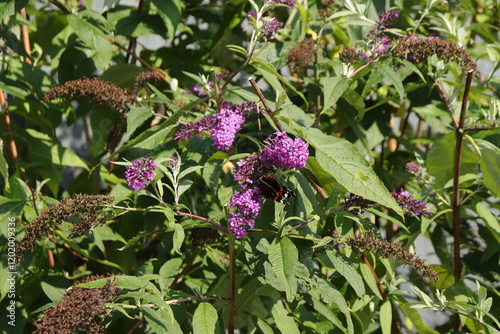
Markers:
271,188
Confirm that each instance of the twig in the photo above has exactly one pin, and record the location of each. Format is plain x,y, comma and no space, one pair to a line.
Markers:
265,104
457,205
136,57
232,283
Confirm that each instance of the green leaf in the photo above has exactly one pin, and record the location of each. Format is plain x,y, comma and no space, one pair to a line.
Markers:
49,156
490,219
386,316
342,160
370,279
329,293
168,271
170,12
9,210
333,88
136,117
283,256
4,167
93,38
160,321
204,319
326,312
45,148
334,259
284,322
489,163
55,286
440,159
178,238
415,318
390,75
273,77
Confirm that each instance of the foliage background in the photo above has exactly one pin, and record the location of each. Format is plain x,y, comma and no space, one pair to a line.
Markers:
363,122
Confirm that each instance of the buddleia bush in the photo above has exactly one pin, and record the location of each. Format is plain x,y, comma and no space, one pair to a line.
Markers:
272,166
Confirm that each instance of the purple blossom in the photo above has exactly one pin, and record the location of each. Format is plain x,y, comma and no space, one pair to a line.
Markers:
409,205
413,167
193,129
248,170
356,204
284,152
289,3
269,27
247,203
385,20
200,91
139,173
226,125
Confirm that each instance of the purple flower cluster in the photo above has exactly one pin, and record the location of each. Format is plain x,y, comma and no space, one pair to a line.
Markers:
409,205
193,129
378,42
269,27
200,91
384,22
139,173
247,202
284,152
289,3
223,126
356,204
249,169
226,125
414,168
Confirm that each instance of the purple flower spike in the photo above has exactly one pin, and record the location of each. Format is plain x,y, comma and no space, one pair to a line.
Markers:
270,27
139,173
284,152
226,125
247,203
410,206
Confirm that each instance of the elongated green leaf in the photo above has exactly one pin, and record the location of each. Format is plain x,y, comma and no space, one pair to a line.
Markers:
386,316
93,38
272,75
390,75
285,323
370,279
326,312
178,238
489,218
413,316
342,160
204,319
283,256
170,12
489,163
336,260
333,88
329,293
168,272
440,159
160,321
4,167
47,149
136,117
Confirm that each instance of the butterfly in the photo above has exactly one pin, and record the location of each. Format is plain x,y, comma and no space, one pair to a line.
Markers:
271,188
